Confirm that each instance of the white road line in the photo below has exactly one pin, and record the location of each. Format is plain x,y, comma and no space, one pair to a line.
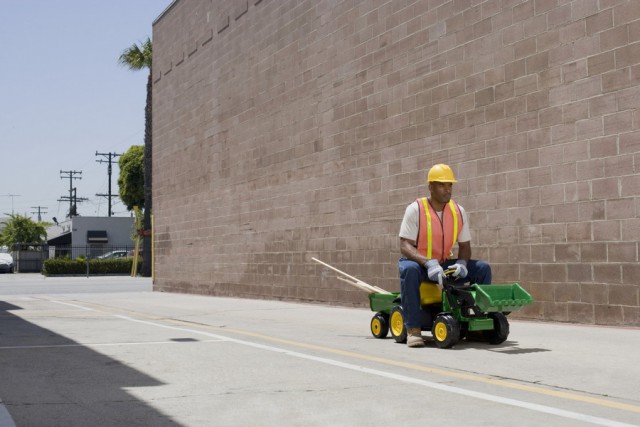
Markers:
403,378
72,305
110,344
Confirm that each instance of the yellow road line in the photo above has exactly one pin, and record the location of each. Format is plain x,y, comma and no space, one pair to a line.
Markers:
391,362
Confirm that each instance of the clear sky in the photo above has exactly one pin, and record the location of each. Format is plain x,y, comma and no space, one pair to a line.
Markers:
63,96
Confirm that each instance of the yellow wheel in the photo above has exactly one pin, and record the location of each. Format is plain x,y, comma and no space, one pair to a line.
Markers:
380,325
396,325
446,331
440,331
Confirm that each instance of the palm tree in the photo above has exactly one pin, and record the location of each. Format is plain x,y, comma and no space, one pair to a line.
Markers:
137,58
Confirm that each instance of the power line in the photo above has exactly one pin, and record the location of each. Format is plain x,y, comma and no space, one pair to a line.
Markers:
39,212
12,196
110,157
72,198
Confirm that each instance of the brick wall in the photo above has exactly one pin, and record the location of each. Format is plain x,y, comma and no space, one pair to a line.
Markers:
290,129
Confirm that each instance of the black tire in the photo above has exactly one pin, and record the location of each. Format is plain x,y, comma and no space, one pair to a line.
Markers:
446,331
396,324
380,325
500,331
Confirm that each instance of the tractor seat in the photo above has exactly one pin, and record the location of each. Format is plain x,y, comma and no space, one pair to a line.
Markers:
429,293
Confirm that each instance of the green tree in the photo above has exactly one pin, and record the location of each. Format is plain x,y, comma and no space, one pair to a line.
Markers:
138,57
131,178
23,230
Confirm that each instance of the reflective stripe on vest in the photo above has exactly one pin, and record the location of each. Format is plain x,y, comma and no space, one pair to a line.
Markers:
433,241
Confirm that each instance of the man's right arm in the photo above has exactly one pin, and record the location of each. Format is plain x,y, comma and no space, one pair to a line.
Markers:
408,250
434,270
408,234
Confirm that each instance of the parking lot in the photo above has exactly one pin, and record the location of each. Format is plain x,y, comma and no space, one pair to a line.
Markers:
107,351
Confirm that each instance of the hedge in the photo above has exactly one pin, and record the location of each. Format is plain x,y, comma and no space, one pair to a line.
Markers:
55,266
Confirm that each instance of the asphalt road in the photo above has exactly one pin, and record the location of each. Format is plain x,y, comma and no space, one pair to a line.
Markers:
110,352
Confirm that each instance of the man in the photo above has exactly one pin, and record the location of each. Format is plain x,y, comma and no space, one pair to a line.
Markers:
429,230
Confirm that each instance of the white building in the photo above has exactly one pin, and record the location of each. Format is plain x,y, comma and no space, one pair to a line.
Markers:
91,235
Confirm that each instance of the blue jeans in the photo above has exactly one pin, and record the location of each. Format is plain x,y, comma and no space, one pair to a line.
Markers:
412,274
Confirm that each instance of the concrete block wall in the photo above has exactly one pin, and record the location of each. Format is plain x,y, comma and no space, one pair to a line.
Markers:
285,130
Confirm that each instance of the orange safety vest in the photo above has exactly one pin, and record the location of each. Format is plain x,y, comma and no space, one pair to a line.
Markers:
435,237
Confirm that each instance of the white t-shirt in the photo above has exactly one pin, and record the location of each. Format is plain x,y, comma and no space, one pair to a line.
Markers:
410,223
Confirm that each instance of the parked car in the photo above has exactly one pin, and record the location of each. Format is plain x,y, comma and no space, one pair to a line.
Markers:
6,263
113,254
132,252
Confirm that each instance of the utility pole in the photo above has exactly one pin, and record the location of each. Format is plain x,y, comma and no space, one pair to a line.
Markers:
72,198
110,157
12,196
39,208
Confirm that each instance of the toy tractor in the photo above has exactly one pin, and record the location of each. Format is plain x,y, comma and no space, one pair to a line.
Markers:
451,314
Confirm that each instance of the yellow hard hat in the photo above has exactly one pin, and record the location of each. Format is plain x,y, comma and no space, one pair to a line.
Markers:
441,173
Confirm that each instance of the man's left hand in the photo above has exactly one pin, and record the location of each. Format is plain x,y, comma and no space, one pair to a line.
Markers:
460,269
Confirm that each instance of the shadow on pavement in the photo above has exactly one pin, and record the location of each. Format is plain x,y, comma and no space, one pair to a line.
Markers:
477,342
49,380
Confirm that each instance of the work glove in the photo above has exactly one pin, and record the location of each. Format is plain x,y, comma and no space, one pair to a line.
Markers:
434,271
460,269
